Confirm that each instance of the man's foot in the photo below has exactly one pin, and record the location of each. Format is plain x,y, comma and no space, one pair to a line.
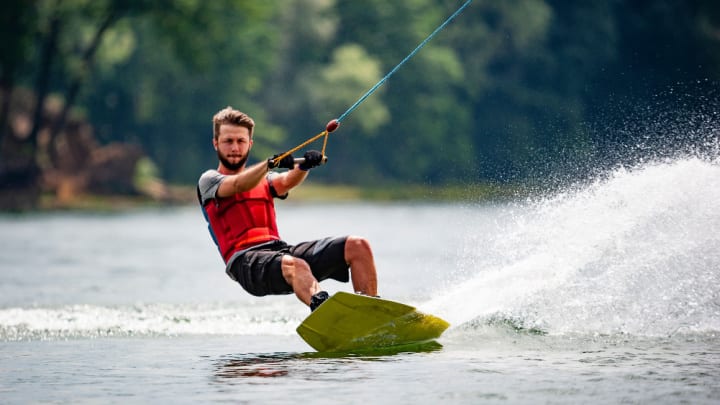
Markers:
317,299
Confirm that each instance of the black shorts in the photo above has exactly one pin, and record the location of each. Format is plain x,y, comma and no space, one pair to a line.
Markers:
259,269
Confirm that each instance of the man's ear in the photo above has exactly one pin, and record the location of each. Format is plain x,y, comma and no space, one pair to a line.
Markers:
215,144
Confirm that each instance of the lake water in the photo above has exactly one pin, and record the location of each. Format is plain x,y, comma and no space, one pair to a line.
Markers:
605,293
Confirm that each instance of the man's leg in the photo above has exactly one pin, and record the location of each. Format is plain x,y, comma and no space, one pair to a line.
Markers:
358,254
297,273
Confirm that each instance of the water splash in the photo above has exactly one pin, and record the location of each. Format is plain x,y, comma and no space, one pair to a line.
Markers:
90,321
637,252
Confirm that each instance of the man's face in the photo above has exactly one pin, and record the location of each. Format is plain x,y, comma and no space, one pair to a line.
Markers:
233,146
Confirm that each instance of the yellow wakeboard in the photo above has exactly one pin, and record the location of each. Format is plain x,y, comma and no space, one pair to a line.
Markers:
348,322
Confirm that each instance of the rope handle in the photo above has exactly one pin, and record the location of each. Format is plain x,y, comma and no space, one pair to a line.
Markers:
302,160
330,127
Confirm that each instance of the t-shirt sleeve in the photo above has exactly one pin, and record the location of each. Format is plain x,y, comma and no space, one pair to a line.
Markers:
208,185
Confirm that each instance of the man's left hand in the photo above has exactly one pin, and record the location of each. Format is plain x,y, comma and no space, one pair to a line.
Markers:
313,158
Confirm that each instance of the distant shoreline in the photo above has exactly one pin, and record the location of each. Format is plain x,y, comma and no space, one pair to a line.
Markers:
310,192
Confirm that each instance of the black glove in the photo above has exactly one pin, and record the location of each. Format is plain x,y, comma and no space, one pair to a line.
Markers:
288,162
313,158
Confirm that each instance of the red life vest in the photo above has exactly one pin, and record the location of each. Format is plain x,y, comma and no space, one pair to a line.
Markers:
243,220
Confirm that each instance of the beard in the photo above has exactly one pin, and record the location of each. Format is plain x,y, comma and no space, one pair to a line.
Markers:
231,166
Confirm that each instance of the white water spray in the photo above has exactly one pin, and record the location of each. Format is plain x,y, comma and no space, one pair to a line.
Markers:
637,252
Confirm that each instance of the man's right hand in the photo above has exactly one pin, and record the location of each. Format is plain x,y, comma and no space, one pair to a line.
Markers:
288,162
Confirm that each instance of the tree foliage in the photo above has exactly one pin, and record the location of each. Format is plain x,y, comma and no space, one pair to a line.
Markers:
508,90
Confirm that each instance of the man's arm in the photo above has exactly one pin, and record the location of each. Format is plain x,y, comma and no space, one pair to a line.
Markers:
283,182
243,181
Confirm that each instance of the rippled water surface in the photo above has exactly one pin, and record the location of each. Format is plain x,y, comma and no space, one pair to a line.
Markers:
606,293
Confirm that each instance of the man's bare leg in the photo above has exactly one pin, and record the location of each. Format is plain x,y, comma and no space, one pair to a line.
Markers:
297,273
359,256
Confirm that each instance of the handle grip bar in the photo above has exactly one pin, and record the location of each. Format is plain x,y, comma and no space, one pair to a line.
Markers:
302,160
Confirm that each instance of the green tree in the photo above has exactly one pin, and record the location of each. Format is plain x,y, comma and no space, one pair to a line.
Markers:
509,90
68,34
415,123
188,60
17,27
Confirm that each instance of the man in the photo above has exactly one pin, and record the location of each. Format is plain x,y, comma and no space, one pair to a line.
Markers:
237,202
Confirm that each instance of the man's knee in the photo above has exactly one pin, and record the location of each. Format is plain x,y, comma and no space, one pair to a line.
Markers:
356,247
293,267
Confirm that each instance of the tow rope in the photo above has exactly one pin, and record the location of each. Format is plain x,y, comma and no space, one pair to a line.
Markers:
335,123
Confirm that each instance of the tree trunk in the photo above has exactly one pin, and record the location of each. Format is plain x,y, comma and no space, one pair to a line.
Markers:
20,174
87,62
43,79
6,86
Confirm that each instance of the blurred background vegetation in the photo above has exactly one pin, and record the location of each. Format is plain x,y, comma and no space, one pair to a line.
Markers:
96,92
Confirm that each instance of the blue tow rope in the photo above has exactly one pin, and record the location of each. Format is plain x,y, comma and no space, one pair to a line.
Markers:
387,76
333,124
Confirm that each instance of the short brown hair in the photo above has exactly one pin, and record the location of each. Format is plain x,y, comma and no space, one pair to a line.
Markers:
231,116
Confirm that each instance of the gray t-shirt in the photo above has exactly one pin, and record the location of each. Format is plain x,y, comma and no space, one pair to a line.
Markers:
208,185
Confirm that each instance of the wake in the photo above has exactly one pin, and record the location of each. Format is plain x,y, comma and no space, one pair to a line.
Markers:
148,320
637,252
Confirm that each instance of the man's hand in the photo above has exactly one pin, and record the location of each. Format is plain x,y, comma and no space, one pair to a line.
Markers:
288,162
313,158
